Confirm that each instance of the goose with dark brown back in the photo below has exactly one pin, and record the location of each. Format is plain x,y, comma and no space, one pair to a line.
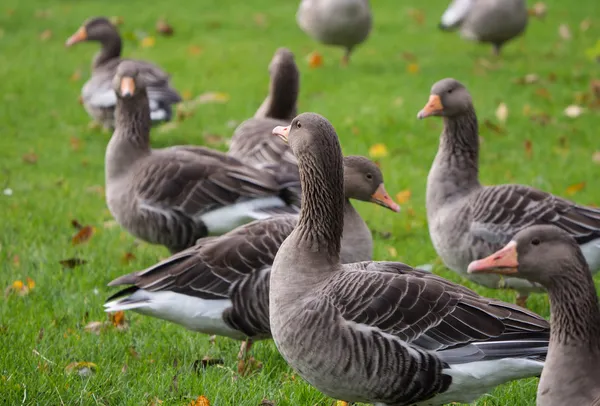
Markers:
383,332
552,258
467,220
221,285
97,94
173,196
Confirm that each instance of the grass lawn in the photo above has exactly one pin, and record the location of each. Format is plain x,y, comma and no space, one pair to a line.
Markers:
53,163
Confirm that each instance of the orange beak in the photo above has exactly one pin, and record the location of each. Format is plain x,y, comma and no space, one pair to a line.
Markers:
80,35
282,132
127,86
382,198
503,262
433,107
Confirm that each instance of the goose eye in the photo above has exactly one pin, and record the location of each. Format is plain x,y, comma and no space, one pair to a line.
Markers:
535,241
298,124
450,91
369,176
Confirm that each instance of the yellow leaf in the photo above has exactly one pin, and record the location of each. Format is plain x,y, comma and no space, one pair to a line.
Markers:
194,50
403,196
502,112
148,42
315,60
571,190
200,401
30,283
341,403
186,95
18,285
413,68
392,251
118,318
378,151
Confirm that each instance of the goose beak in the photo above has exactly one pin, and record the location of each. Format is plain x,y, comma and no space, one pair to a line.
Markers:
127,86
282,132
80,35
433,107
503,262
382,198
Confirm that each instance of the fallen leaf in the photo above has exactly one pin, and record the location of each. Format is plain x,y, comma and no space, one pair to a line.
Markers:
596,157
585,25
571,190
43,13
527,79
341,403
194,50
595,88
163,28
392,252
40,335
267,402
212,97
186,95
408,56
72,262
200,401
124,368
573,111
117,20
528,148
75,143
82,368
127,258
95,327
16,260
378,151
108,224
83,235
543,92
564,32
118,319
75,76
46,35
417,15
540,118
30,158
502,112
413,68
76,224
538,10
403,196
148,42
260,19
492,126
133,352
315,60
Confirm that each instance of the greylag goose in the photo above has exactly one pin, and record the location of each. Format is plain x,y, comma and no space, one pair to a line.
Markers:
468,221
383,332
492,21
343,23
98,96
252,141
173,196
221,285
552,258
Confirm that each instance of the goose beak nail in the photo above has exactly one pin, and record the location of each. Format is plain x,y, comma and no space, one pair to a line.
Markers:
282,132
433,107
503,262
80,35
127,87
382,198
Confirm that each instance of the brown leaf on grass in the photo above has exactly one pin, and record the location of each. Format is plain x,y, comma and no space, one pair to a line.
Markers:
528,79
543,92
75,76
595,88
118,319
596,157
577,187
72,262
413,68
585,24
417,15
538,10
83,235
46,35
541,118
214,139
16,261
408,56
81,368
267,402
403,196
564,32
260,19
502,112
528,148
30,158
315,60
200,401
493,127
75,143
194,50
164,28
80,99
117,20
76,224
127,258
95,327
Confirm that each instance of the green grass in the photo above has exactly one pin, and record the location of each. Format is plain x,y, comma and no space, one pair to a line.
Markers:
375,100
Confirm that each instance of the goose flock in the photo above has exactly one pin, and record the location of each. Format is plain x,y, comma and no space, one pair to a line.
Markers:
266,244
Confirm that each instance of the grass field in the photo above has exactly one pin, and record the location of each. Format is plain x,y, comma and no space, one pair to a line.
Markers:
53,163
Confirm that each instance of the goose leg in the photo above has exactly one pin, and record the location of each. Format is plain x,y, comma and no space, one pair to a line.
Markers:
496,50
346,57
244,349
522,300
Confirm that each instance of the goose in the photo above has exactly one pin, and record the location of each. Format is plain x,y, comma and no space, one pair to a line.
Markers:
343,23
469,221
97,94
173,196
551,257
252,141
221,285
383,332
491,21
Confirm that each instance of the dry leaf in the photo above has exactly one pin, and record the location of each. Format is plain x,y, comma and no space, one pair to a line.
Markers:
571,190
186,95
127,258
527,79
378,151
118,319
46,35
417,15
260,19
407,56
82,368
163,28
392,252
200,401
585,25
413,68
194,50
595,88
75,76
573,111
267,402
403,196
30,158
564,32
528,148
502,112
117,20
148,42
212,97
83,235
72,262
76,224
75,143
538,10
341,403
16,260
95,327
543,92
494,127
315,60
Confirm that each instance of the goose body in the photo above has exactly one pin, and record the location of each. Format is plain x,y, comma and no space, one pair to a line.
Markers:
98,96
467,220
173,196
383,332
550,256
221,285
491,21
343,23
